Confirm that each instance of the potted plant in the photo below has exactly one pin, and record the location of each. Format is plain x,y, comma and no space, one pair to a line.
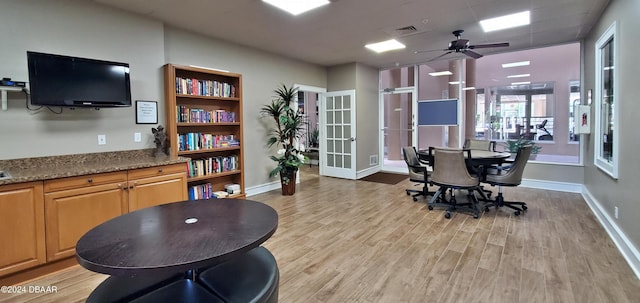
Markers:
289,127
512,146
314,138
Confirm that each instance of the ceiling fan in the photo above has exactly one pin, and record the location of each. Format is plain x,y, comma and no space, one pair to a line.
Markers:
462,46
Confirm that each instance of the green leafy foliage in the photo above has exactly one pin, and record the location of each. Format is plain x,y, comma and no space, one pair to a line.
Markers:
288,128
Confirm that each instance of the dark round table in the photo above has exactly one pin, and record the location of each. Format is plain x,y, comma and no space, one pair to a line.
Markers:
176,237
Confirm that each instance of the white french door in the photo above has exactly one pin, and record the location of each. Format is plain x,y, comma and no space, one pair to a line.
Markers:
338,136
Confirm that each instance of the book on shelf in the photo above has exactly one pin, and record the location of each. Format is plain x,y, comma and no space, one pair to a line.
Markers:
212,165
201,141
196,87
199,115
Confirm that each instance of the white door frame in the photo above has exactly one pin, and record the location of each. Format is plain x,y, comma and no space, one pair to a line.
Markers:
414,113
321,91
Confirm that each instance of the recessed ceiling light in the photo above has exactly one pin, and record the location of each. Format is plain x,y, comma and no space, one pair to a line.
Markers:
469,88
455,82
519,76
521,83
442,73
508,21
385,46
296,7
514,64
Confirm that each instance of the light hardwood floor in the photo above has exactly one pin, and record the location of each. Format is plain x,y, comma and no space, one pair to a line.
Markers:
357,241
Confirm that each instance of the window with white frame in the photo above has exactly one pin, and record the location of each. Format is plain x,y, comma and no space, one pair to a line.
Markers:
606,114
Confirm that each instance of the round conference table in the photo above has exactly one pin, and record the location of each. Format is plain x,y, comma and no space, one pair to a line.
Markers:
478,156
176,238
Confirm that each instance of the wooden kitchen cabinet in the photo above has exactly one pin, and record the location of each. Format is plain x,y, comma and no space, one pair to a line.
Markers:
75,205
22,226
157,185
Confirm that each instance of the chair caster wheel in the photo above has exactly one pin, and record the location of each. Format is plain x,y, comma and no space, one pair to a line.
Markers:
447,215
486,208
475,216
408,193
430,207
524,207
517,213
415,199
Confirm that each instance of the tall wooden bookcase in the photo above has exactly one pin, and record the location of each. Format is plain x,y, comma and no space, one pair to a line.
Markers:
204,123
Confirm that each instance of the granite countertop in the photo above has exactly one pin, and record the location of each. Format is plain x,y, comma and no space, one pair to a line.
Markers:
45,168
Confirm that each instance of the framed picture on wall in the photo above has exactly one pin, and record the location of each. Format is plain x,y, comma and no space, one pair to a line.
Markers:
146,112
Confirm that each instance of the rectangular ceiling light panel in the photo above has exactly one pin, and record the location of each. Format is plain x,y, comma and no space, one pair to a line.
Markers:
385,46
514,64
504,22
519,76
442,73
296,7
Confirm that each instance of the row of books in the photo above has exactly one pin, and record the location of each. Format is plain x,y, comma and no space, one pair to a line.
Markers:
205,191
212,165
202,191
200,141
199,115
192,86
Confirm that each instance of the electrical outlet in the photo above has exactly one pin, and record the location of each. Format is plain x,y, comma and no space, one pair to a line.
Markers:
615,212
102,139
137,137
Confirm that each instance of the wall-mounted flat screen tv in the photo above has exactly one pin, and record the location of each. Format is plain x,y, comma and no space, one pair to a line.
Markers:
56,80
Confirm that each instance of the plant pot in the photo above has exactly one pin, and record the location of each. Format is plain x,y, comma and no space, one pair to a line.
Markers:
288,182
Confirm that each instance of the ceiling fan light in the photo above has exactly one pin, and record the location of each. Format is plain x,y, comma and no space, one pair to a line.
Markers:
385,46
297,7
507,21
442,73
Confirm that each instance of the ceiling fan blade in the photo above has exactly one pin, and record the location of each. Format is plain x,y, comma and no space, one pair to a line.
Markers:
488,45
472,54
428,51
438,57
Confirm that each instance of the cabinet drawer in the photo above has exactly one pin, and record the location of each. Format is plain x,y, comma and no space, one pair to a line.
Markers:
84,181
157,171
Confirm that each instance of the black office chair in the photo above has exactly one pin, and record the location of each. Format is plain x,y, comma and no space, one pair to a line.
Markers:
417,173
450,172
509,175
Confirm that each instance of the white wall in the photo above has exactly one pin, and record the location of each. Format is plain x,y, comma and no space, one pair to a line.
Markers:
82,29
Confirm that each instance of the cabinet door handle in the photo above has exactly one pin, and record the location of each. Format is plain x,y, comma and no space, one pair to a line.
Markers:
90,180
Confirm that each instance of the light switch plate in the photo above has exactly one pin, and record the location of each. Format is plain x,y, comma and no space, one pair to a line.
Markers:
137,137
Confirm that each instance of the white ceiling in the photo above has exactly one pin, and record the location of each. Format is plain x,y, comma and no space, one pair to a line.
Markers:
336,33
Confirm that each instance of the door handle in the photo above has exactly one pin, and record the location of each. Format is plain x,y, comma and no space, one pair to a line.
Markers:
352,139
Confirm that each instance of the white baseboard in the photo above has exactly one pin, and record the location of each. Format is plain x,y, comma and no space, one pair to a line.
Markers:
552,185
625,246
262,188
367,171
